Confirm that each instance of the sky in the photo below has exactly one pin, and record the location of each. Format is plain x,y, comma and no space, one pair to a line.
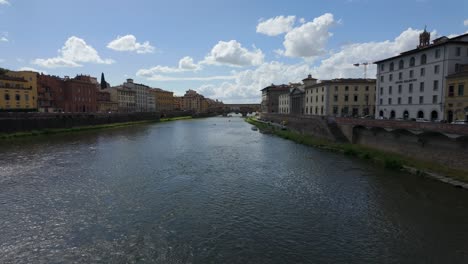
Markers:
226,50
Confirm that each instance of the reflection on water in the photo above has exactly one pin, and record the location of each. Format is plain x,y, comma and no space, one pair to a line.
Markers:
214,191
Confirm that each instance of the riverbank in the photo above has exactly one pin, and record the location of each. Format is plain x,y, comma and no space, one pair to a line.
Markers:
387,159
7,136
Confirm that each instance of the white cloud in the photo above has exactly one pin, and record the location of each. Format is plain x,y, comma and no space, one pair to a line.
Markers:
129,43
247,84
276,26
3,39
465,23
309,39
4,2
163,78
31,69
74,51
185,64
232,53
340,64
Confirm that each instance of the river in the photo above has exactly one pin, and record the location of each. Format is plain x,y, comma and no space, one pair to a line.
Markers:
214,191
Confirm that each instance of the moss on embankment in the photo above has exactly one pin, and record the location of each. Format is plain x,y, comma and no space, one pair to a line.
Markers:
389,160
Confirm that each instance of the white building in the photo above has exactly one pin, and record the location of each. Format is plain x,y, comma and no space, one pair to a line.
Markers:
411,85
283,107
142,94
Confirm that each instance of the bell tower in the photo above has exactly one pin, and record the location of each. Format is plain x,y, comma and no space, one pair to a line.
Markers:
424,38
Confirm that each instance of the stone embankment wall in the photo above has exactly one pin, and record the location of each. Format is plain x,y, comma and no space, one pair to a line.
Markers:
443,144
316,126
19,122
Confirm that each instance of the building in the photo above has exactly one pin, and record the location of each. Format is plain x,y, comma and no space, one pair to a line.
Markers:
18,91
141,92
164,100
177,103
80,95
296,99
105,105
340,97
192,101
456,95
50,93
412,84
124,97
283,101
150,101
270,97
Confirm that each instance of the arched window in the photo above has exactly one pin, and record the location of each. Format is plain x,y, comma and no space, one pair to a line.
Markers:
392,66
434,115
450,116
381,113
420,114
423,59
405,115
392,114
412,61
401,64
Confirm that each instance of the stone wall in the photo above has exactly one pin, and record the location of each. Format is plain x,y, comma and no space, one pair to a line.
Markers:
17,122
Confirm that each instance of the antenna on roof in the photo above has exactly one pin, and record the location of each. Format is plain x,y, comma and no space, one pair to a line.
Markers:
365,67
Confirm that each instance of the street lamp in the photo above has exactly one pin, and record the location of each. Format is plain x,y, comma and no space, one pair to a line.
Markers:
365,67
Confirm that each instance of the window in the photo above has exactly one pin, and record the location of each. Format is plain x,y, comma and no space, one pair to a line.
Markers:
347,88
401,64
389,101
421,86
389,90
411,73
461,89
322,97
336,88
346,97
437,53
423,72
399,100
26,97
382,67
451,91
400,75
390,77
411,61
17,97
457,67
399,88
381,101
355,88
355,98
410,100
421,99
381,78
423,59
410,89
436,85
335,110
436,69
457,51
434,99
367,99
381,90
7,97
367,88
391,66
335,98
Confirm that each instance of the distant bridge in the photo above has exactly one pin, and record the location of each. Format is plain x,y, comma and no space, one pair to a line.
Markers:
244,109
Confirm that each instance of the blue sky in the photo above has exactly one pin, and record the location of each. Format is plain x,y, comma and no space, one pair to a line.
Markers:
226,50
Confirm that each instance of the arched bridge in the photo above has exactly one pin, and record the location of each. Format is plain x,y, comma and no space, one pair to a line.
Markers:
244,109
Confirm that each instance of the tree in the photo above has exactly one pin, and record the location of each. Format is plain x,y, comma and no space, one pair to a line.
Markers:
103,82
3,71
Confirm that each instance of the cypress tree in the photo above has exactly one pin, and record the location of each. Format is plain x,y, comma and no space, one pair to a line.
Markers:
103,82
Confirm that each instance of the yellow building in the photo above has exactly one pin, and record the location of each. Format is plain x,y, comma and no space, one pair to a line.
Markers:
456,95
164,100
340,97
18,91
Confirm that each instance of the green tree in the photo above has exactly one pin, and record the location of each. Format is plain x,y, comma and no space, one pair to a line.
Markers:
103,82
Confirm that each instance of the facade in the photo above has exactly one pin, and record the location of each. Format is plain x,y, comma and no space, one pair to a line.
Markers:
164,100
456,95
283,107
141,92
297,97
177,103
341,97
150,101
124,97
80,95
192,101
50,93
105,105
270,97
18,91
412,84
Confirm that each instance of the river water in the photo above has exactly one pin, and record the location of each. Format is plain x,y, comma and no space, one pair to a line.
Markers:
215,191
